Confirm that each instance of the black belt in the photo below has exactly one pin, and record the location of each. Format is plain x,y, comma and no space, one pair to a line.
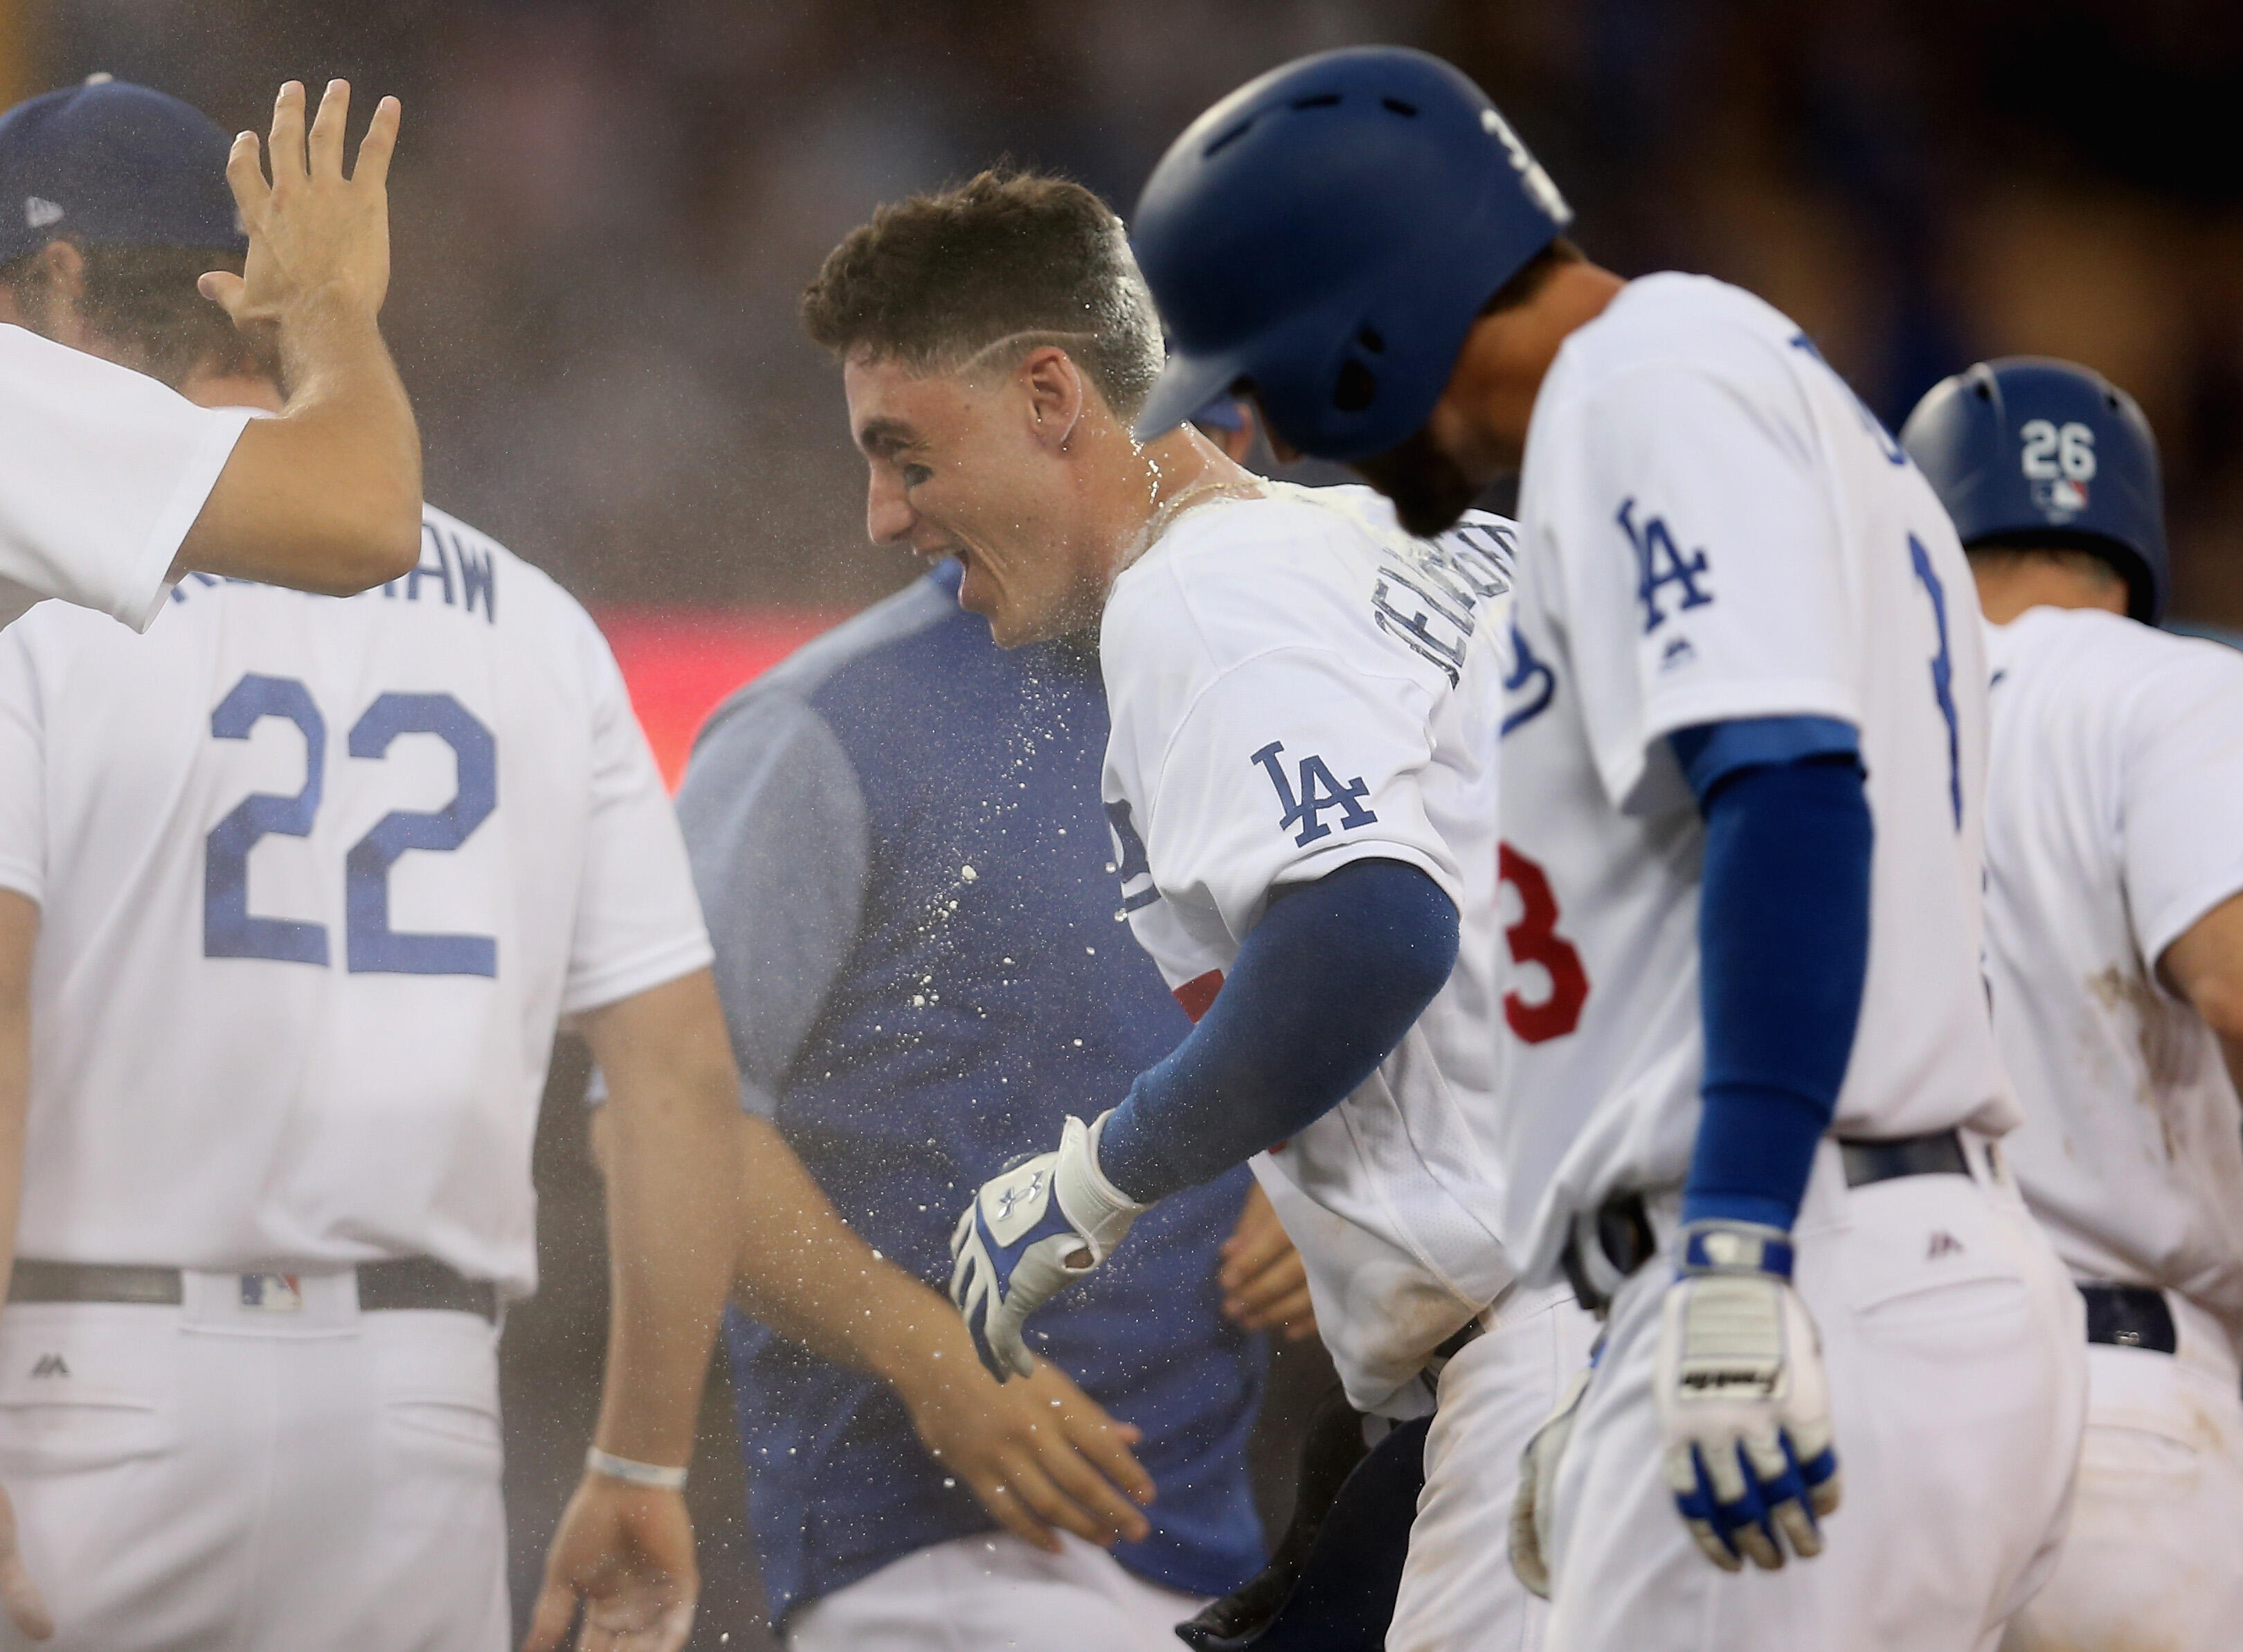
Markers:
407,1282
1623,1223
2130,1316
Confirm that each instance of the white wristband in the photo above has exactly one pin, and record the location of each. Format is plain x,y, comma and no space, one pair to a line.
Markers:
623,1469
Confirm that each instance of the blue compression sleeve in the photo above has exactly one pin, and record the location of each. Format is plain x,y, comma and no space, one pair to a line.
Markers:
1783,936
1325,987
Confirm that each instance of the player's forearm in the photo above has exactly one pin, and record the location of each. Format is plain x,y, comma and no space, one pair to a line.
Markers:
672,1211
1783,942
1329,982
326,496
807,1274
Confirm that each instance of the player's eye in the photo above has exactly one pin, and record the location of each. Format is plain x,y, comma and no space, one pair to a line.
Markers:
914,474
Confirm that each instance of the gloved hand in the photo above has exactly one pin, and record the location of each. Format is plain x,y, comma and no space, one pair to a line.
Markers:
1040,1223
1538,1478
1744,1408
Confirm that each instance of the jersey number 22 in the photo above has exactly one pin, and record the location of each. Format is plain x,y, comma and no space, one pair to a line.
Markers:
370,946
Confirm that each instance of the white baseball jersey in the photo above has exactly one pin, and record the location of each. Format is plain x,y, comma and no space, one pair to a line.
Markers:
2114,821
102,472
318,876
1295,685
1714,529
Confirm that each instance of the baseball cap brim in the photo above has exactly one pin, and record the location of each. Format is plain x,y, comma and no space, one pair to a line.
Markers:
1186,385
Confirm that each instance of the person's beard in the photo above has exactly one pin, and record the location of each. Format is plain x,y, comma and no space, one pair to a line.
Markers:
1429,489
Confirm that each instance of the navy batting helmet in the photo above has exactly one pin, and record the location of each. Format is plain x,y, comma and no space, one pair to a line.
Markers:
2030,451
1330,232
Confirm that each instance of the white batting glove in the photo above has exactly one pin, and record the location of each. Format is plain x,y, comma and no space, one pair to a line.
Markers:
1537,1479
1744,1408
1039,1223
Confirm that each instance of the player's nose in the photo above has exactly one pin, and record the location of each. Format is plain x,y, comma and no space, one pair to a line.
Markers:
889,517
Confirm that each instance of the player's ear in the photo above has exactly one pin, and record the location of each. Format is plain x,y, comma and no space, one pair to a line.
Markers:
48,292
1055,393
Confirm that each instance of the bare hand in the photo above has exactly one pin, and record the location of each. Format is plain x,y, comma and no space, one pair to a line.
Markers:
315,237
27,1608
627,1552
1039,1453
1264,1285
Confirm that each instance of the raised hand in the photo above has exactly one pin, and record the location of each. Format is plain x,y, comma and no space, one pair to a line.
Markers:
318,240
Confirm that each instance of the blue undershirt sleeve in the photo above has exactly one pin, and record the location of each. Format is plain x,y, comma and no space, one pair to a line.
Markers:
1325,987
1783,935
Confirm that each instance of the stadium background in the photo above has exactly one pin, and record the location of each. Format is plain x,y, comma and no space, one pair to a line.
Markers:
603,213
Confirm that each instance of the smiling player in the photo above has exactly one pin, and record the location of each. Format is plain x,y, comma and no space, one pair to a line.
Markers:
1299,778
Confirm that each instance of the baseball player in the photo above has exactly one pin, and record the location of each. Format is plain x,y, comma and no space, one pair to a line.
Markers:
1299,778
293,892
1748,1092
112,485
2114,955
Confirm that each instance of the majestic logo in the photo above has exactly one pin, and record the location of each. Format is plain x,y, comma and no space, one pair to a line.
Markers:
1660,562
51,1364
1319,790
1943,1243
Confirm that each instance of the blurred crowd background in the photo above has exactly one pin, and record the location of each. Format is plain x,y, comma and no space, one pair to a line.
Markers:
604,210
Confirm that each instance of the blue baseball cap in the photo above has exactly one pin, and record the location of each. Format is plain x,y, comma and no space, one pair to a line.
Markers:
112,164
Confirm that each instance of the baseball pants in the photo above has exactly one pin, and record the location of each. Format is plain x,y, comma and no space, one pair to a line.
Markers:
218,1475
1458,1593
1954,1342
993,1593
2152,1563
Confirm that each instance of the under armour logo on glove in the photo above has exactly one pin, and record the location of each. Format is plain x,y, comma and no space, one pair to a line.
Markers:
1744,1407
1013,1196
1034,1226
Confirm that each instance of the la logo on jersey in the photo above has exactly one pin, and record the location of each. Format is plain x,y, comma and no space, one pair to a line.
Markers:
1319,790
1660,562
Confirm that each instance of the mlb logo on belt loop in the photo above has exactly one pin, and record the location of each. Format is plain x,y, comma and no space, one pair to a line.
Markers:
271,1292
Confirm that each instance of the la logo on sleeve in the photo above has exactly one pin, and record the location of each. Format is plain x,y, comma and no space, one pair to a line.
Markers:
1319,790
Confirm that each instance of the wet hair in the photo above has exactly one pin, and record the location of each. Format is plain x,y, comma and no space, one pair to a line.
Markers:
936,280
142,300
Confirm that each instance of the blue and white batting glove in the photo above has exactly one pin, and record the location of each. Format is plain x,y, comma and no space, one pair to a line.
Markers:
1038,1225
1744,1408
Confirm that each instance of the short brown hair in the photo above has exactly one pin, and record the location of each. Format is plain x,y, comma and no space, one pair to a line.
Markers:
934,280
144,300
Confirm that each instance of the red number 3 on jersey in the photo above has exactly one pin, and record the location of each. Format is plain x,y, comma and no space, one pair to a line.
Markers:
1534,940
